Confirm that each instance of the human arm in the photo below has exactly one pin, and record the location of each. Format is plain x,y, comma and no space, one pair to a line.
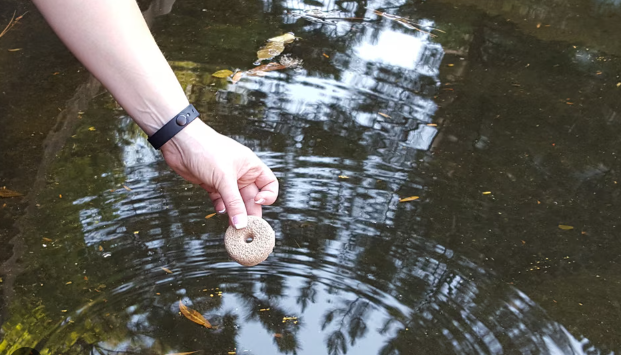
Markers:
112,40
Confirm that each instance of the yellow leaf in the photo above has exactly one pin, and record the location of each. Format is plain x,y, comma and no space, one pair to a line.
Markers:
487,192
325,55
565,227
8,193
383,114
432,125
222,73
100,248
47,240
191,352
60,196
193,315
286,38
209,215
343,177
126,188
407,199
15,49
91,128
69,283
167,271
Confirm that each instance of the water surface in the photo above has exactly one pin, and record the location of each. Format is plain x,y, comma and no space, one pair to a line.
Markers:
504,125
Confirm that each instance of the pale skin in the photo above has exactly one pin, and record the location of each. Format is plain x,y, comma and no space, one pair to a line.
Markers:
111,38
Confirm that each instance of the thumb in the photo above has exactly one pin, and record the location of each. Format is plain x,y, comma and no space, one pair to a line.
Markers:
235,207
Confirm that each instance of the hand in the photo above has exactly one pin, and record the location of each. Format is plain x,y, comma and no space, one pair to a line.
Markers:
238,182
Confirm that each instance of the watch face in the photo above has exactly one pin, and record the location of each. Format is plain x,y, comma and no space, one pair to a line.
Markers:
25,351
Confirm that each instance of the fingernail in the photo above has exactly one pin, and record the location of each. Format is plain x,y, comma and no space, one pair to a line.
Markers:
260,201
223,210
240,221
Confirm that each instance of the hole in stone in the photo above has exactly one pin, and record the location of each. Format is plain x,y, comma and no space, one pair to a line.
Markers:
249,239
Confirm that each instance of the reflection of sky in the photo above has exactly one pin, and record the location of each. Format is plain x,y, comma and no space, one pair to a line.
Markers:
392,48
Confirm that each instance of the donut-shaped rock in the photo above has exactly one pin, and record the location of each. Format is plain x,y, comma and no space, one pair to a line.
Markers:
251,245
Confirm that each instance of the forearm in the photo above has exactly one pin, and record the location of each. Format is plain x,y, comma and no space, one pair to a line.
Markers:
111,38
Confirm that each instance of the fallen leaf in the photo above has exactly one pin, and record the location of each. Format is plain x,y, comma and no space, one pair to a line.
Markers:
618,84
100,248
264,309
451,65
432,125
565,227
56,73
15,49
85,278
5,193
191,352
64,311
407,199
262,70
60,196
325,55
193,315
47,240
487,192
209,215
238,75
383,114
277,335
270,50
343,177
136,232
167,271
286,38
91,129
222,73
126,188
69,283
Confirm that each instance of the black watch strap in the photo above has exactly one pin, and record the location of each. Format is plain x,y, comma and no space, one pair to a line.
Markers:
174,126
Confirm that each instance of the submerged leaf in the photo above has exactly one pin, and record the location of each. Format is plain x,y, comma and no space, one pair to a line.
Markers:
222,73
238,75
407,199
209,215
167,270
188,353
8,193
193,315
565,227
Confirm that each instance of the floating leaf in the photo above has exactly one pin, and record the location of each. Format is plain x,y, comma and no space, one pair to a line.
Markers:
343,177
15,49
209,215
432,125
193,315
222,73
191,352
286,38
407,199
91,129
238,75
47,240
325,55
486,192
167,271
100,248
275,46
8,193
565,227
383,114
126,188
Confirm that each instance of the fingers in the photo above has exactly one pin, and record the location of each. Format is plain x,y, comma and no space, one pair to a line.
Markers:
248,194
234,203
216,199
268,184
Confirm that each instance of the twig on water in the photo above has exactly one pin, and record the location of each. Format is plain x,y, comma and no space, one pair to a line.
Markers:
12,23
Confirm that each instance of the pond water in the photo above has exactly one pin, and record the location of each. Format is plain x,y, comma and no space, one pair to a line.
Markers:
504,124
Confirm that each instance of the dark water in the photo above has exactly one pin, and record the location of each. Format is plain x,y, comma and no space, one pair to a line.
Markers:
515,98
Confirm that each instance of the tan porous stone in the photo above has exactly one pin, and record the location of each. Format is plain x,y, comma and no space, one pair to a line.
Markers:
254,252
